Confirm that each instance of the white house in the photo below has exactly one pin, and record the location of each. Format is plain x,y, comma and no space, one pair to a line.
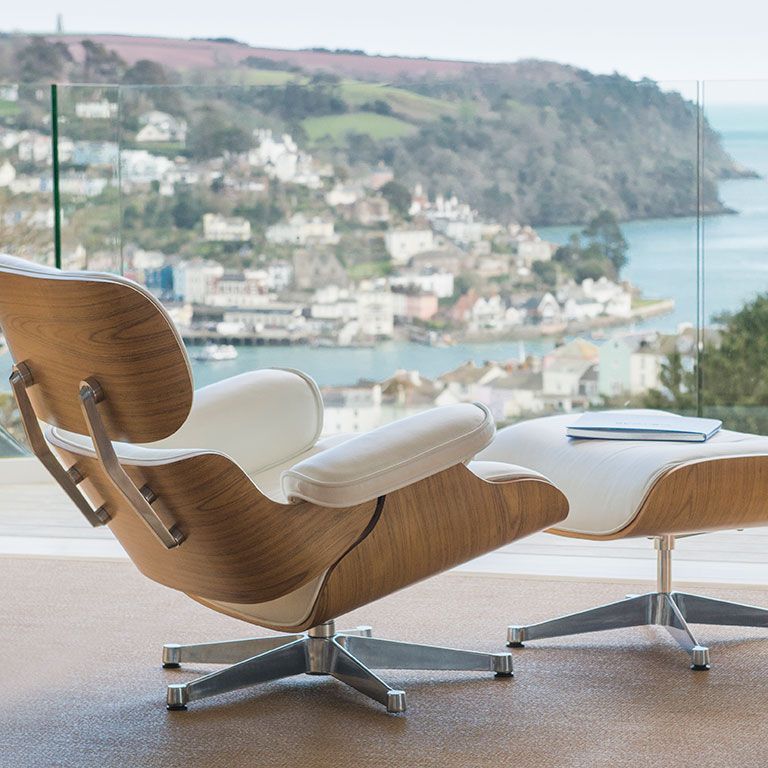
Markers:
279,275
228,229
630,365
494,313
402,244
299,230
34,148
332,303
579,309
376,311
9,92
351,409
512,395
192,279
563,377
462,382
595,297
435,281
141,167
96,110
530,251
161,127
241,289
545,309
342,195
7,174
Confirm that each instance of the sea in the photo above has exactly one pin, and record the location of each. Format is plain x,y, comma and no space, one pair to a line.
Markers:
663,260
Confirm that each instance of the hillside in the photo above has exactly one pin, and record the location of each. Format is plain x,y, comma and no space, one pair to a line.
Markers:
530,141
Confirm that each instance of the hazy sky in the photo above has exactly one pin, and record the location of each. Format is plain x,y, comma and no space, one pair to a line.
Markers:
667,40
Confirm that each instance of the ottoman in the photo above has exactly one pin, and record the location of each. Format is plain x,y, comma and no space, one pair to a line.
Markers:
661,490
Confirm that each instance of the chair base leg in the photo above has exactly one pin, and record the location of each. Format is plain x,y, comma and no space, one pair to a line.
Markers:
349,656
671,610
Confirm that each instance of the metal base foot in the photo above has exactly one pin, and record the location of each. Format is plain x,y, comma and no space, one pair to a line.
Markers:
348,656
671,610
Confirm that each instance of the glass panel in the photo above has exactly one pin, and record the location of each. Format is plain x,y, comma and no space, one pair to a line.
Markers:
735,259
88,177
26,208
634,183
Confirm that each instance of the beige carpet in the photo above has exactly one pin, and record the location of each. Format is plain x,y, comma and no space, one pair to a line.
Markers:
81,684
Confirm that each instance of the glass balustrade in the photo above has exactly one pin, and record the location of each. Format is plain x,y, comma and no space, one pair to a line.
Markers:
540,247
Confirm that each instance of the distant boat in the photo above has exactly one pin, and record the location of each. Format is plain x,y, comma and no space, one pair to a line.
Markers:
215,353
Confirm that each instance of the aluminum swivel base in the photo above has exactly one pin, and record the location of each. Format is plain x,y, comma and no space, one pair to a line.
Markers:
347,656
664,608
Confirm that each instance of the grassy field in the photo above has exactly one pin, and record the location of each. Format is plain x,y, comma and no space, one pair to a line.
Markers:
9,108
266,77
404,102
337,127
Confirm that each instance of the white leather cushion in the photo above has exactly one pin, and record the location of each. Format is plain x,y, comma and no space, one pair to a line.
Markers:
259,419
391,457
606,481
499,472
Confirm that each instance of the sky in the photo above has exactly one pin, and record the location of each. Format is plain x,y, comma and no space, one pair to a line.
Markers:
667,40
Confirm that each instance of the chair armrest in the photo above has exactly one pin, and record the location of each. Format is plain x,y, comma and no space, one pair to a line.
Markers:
258,419
391,457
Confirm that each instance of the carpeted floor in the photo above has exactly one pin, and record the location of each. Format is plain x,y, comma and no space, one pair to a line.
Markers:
81,684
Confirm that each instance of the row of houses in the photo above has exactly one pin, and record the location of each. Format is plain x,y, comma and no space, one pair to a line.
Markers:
573,376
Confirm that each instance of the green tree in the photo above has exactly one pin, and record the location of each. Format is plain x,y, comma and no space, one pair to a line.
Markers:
187,209
398,196
41,61
145,72
546,271
606,239
211,136
679,393
733,373
100,64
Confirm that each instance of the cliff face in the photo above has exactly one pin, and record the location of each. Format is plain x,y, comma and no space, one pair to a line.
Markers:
531,141
550,144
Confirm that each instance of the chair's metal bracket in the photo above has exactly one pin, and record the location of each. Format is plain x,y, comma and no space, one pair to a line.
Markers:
91,394
21,379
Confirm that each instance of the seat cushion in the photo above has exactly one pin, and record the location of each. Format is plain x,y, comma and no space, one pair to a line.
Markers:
606,481
390,457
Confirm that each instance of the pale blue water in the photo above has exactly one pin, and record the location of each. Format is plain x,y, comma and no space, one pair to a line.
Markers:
662,263
662,252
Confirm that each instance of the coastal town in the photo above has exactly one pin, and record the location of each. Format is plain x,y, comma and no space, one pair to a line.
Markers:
275,244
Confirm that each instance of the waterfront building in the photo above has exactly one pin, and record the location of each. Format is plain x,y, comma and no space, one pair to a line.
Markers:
412,304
